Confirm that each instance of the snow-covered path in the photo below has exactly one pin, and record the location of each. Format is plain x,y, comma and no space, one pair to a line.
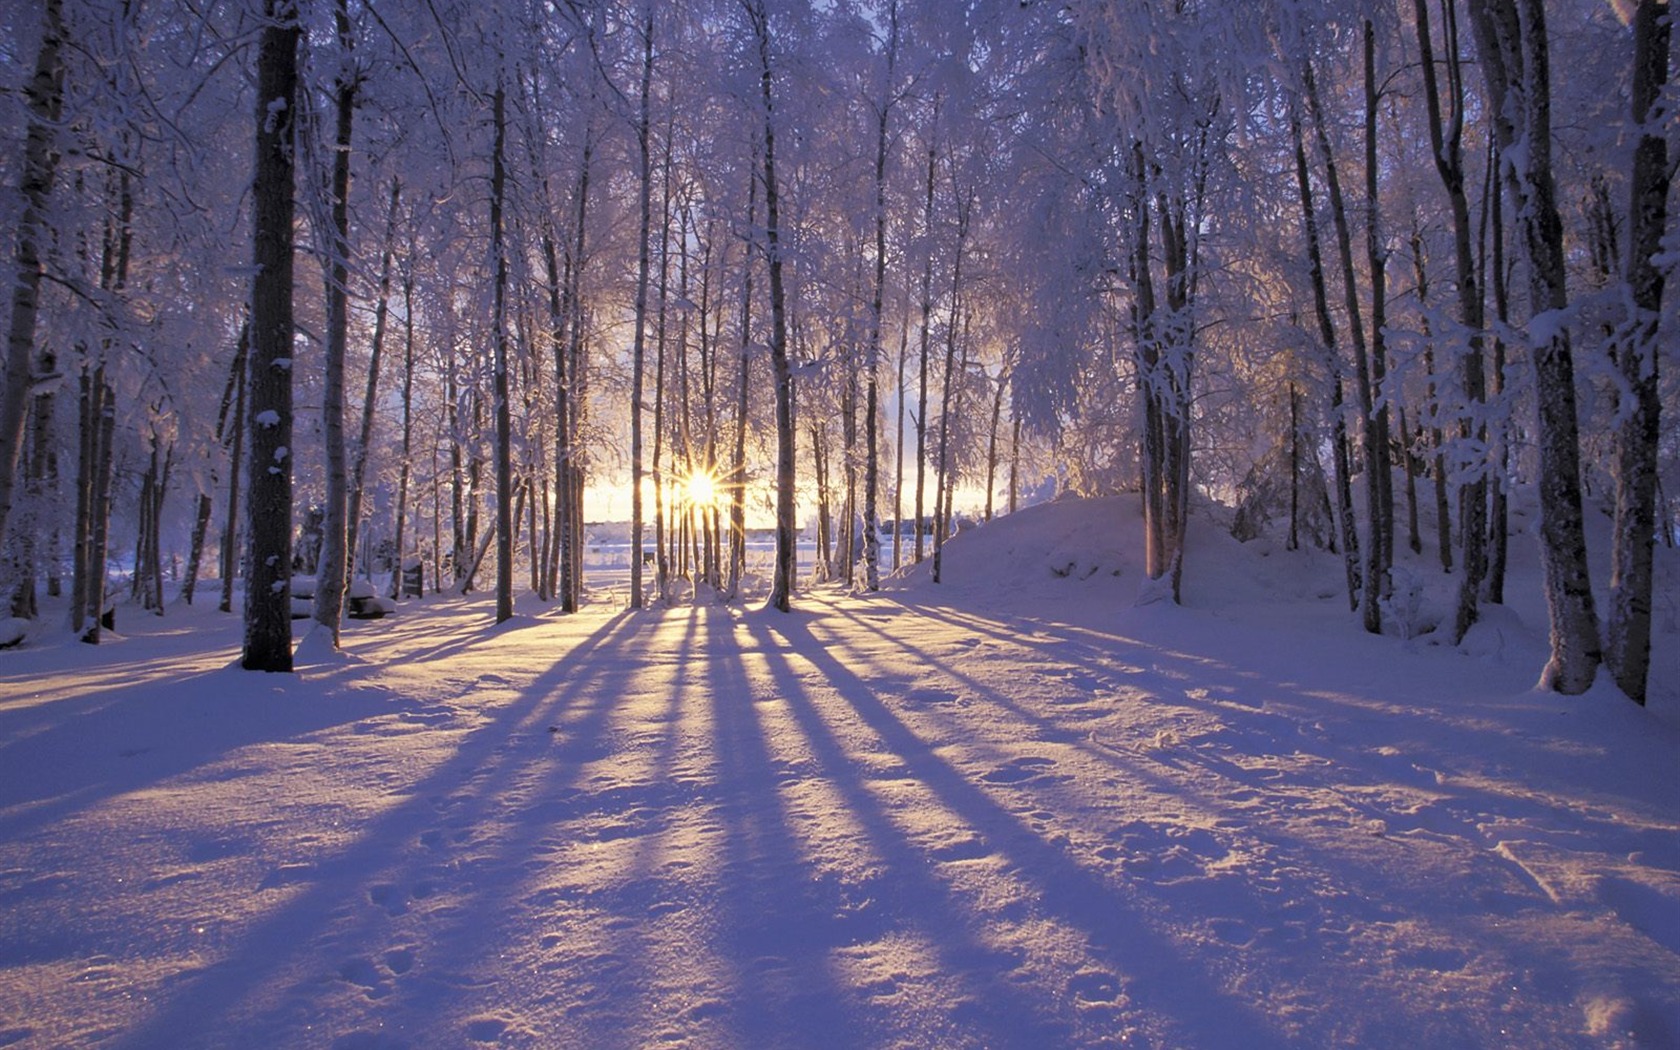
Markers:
877,822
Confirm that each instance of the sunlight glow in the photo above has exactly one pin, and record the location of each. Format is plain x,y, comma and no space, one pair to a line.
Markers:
700,489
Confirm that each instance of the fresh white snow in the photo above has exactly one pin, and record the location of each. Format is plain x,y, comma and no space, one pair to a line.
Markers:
1017,809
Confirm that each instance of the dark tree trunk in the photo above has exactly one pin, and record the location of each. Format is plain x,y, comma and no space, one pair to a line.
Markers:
333,570
502,409
1515,59
40,162
268,563
376,355
1349,534
1628,653
787,536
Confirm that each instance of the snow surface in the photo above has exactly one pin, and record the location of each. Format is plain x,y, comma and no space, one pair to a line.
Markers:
1016,809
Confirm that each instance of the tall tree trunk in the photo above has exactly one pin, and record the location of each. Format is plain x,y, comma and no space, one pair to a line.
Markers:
40,163
738,462
1493,260
823,570
502,409
333,569
898,454
926,330
1294,542
1349,534
570,397
268,599
944,468
104,425
460,542
1409,459
234,439
1437,439
1446,135
1014,461
661,562
404,466
1374,571
225,424
376,354
1515,59
872,360
1628,652
638,352
992,440
1381,479
148,549
787,535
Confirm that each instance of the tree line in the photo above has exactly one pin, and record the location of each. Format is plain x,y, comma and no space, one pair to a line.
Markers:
1359,271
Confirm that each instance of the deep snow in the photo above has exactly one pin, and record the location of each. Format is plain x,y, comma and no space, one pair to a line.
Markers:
1014,809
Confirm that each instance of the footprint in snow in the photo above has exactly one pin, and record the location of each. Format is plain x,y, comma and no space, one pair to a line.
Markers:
1018,770
365,975
386,896
1095,986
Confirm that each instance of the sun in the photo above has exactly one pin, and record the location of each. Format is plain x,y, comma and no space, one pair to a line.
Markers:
700,489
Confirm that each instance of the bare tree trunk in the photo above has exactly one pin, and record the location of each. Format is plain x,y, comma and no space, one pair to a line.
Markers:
1409,458
1327,337
926,331
502,409
1294,542
638,352
823,570
872,361
847,539
787,555
1381,479
1493,256
1374,571
404,467
1014,462
1628,652
1512,38
233,438
226,426
40,162
148,550
570,399
460,541
898,455
661,560
738,462
992,441
364,437
1446,134
1437,439
944,468
268,613
333,570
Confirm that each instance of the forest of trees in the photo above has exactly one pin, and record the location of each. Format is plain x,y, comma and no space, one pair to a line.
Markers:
302,284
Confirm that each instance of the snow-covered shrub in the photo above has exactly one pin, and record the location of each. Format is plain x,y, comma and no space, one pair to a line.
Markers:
1404,607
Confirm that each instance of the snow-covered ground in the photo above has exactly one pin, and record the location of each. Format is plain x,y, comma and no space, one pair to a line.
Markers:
1016,809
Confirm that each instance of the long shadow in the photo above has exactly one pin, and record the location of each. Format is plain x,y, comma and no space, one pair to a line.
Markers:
268,950
607,951
1070,893
1341,781
136,732
778,935
907,895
